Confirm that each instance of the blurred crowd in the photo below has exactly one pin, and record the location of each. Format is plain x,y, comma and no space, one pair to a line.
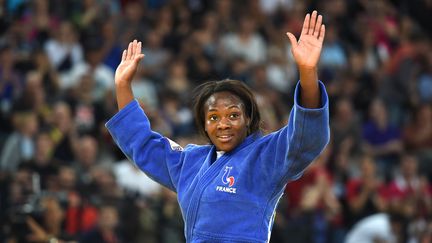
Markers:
61,175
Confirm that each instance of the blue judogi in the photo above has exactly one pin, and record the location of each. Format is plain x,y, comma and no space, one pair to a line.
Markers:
232,198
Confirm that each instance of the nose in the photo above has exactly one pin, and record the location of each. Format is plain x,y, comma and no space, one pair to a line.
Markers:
224,123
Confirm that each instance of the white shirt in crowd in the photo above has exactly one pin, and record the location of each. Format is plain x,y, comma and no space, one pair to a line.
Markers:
371,229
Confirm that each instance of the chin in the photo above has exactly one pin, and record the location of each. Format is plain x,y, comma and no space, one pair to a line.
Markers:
226,148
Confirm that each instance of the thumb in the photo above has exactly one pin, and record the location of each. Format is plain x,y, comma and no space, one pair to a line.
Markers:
292,39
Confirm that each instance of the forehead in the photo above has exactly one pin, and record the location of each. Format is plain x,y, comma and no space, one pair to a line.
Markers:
223,99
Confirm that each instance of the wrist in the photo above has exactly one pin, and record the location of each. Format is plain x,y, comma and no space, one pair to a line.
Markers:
122,84
307,69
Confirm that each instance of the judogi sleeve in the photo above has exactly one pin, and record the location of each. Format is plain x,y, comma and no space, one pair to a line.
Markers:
156,155
297,144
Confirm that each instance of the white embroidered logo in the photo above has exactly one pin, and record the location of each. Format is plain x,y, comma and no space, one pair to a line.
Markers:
227,179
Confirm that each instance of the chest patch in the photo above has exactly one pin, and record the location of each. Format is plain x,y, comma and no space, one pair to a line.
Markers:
228,180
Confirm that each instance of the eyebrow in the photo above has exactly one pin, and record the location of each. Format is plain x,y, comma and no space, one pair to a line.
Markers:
229,107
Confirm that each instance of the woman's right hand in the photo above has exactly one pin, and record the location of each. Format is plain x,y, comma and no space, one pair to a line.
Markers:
129,64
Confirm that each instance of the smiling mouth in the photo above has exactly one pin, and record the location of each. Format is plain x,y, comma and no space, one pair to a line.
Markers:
225,138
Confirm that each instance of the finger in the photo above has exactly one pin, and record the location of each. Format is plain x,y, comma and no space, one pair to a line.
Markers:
293,39
138,55
124,55
134,49
317,27
322,33
139,46
312,22
305,25
129,51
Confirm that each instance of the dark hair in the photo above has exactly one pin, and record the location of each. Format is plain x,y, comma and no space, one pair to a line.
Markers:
238,88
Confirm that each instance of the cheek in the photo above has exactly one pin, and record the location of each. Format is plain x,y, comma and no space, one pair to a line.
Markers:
208,127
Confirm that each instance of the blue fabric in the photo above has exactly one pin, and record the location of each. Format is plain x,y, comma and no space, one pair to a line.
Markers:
234,198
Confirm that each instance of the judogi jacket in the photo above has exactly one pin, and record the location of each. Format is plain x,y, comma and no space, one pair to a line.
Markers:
232,198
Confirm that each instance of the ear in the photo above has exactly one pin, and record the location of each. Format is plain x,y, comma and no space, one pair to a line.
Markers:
248,121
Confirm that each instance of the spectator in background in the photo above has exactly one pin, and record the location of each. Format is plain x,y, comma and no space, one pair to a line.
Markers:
11,84
345,128
170,227
178,116
19,146
245,43
65,52
134,22
410,191
80,213
40,22
50,229
200,56
381,139
311,203
224,10
134,181
158,57
63,132
101,75
365,194
177,80
103,186
382,227
111,49
273,110
424,81
42,162
106,229
333,55
86,155
34,97
48,74
417,136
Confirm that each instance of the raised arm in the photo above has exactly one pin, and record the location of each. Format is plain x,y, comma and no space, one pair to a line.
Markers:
306,52
125,73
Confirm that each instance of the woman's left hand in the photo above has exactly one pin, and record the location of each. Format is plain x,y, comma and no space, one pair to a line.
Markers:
307,50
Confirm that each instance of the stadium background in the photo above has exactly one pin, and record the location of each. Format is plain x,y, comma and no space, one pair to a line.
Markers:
59,165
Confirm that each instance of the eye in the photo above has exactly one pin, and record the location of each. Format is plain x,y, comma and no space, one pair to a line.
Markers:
234,115
213,118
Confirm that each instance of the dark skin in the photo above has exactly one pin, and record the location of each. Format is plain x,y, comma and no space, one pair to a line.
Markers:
226,122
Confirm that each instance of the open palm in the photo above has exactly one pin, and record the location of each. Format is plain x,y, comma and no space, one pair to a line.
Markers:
307,50
129,63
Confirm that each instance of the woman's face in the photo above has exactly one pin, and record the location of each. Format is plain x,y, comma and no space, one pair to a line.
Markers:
226,123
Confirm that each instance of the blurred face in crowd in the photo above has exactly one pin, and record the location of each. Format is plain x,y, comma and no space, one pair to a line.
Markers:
108,218
226,123
62,116
67,33
44,146
409,165
344,111
378,112
87,151
67,177
26,123
367,167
